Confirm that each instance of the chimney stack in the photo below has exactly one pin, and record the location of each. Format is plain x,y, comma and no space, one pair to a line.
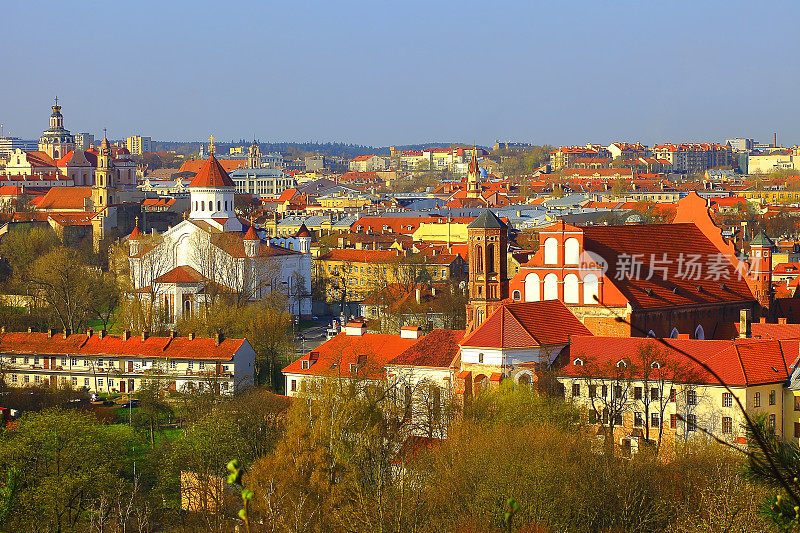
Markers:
50,333
103,333
782,321
126,335
145,334
744,324
191,335
66,333
218,338
775,139
89,332
173,334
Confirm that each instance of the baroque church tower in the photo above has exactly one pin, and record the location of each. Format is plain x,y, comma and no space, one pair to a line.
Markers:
56,141
487,237
104,194
473,176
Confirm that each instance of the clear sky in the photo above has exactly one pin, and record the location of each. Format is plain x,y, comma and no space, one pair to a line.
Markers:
386,73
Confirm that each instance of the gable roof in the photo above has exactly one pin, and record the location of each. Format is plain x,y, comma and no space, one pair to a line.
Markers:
675,240
37,158
157,347
739,362
525,325
65,198
194,165
181,274
437,349
334,356
212,174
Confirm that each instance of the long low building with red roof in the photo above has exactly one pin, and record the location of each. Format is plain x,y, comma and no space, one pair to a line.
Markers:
664,389
106,363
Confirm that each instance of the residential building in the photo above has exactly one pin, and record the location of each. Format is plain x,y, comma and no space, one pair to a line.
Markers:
109,364
137,145
10,144
262,182
369,163
84,141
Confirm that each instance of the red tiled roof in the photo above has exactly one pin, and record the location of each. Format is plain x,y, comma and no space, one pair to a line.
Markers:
251,234
526,324
151,347
212,174
674,240
363,157
737,362
437,349
361,256
303,231
195,165
37,158
775,331
181,274
65,198
333,357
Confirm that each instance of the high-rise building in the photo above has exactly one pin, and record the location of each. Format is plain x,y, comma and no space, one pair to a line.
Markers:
9,144
137,145
84,141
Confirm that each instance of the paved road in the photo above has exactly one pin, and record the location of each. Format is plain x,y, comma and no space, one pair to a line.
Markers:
311,337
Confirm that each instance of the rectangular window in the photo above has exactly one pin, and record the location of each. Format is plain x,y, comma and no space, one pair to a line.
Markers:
637,419
592,391
85,382
604,390
173,365
771,424
691,397
757,399
772,397
672,395
797,403
35,360
304,364
618,419
654,420
100,382
201,365
673,421
637,393
37,379
691,423
63,361
75,382
13,360
73,362
593,417
576,390
190,365
27,360
294,385
797,430
99,362
727,424
13,378
654,393
727,399
26,379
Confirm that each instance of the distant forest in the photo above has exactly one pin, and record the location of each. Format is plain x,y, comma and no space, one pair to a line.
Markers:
348,151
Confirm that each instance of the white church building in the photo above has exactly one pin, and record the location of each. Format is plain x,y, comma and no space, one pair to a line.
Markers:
215,254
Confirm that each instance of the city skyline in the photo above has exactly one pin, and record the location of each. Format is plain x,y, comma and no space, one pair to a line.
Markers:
539,74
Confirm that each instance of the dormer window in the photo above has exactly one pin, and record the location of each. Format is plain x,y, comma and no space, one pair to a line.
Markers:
353,368
622,363
655,364
578,362
304,364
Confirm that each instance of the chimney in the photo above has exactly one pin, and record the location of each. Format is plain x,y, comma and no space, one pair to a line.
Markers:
50,333
218,338
191,335
145,334
744,324
126,335
173,334
30,329
2,329
89,332
103,333
782,321
775,139
66,333
410,332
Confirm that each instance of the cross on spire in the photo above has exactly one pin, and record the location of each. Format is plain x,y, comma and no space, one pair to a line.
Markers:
104,133
211,144
56,100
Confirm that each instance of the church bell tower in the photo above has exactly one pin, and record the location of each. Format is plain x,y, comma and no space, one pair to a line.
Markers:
487,237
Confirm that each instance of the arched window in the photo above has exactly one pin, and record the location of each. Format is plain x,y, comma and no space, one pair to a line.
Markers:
226,205
202,205
551,251
651,333
490,259
196,206
572,292
532,288
572,251
219,206
516,296
479,258
674,333
550,287
699,333
591,289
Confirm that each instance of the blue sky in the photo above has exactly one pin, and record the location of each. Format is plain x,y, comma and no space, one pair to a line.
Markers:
385,73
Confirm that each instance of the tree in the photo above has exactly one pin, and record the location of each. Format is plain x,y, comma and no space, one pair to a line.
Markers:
63,280
57,482
152,410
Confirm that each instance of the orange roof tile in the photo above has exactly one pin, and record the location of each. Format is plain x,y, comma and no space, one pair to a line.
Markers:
437,349
212,174
65,198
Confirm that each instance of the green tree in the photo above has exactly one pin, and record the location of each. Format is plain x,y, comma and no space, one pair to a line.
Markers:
66,461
